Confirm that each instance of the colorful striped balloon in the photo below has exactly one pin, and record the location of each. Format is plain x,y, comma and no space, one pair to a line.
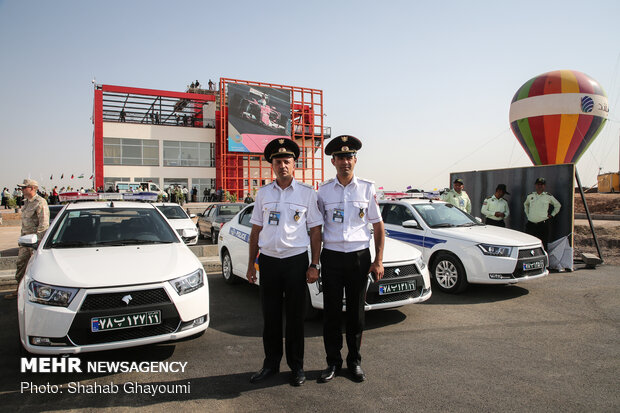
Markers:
557,115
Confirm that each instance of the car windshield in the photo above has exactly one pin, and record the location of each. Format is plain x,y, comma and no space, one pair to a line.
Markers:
230,210
440,215
173,211
110,227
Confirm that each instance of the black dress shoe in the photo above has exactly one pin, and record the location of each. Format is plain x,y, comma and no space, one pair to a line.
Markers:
298,377
329,373
357,373
262,374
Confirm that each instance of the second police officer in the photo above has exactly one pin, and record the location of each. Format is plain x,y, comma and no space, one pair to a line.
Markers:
348,204
495,208
283,213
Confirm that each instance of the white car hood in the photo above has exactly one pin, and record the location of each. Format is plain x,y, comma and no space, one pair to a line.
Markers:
395,251
487,234
112,266
182,224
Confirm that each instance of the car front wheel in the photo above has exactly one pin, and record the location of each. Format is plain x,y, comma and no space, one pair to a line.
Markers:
227,269
449,274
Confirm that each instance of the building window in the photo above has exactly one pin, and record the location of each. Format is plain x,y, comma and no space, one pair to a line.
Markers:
180,153
121,151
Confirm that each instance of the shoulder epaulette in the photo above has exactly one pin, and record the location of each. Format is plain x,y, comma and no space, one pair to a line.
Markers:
305,184
326,182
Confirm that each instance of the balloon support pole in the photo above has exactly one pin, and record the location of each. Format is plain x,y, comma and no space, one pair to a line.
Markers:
583,198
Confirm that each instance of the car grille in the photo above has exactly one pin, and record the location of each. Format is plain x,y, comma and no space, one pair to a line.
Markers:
525,256
373,297
109,301
527,253
400,271
109,304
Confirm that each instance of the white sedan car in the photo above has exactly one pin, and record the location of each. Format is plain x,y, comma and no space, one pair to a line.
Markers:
109,275
460,250
406,279
180,221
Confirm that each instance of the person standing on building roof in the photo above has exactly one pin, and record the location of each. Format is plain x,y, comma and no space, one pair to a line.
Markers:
35,220
197,84
458,197
537,205
349,206
210,84
285,220
495,208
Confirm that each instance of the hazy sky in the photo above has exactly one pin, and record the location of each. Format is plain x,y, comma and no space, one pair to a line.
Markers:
425,85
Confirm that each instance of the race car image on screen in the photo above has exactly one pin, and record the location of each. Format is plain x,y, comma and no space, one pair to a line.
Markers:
255,107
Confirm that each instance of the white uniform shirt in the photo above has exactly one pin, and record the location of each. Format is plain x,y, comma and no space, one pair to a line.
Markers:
285,215
347,211
491,205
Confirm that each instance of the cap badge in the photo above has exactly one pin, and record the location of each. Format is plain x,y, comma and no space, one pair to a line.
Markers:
280,141
345,138
344,148
282,149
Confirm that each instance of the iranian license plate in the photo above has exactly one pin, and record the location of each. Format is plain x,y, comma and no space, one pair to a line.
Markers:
396,287
118,322
528,266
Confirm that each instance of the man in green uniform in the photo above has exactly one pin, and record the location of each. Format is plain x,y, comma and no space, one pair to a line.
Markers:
458,197
35,220
495,208
537,211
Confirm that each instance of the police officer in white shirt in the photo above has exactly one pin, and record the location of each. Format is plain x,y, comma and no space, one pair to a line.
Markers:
348,204
495,208
283,212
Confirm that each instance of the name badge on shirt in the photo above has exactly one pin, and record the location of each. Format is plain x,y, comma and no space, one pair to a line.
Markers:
338,215
461,202
274,218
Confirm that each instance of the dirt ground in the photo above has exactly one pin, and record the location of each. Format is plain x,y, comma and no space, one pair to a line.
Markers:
603,204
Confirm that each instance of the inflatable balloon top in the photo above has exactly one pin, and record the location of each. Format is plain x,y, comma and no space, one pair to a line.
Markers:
557,115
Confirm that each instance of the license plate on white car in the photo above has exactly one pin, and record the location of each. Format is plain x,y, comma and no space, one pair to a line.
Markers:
528,266
396,287
117,322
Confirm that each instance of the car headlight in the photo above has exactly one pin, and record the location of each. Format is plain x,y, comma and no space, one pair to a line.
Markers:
495,250
420,263
188,283
50,294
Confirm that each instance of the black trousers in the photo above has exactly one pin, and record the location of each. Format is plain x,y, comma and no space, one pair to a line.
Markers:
540,230
283,280
346,272
494,222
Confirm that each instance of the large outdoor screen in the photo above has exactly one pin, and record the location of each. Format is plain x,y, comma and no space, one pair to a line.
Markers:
257,115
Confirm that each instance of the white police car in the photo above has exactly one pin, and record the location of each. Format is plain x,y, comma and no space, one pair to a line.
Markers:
109,275
180,221
406,279
458,249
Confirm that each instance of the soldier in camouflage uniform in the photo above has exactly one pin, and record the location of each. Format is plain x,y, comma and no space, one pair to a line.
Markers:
35,220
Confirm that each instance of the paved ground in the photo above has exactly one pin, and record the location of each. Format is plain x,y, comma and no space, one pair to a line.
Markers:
548,345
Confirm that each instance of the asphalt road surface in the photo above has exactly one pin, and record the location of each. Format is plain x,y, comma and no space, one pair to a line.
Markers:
547,345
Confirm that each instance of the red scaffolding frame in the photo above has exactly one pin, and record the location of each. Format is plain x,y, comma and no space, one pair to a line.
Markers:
243,173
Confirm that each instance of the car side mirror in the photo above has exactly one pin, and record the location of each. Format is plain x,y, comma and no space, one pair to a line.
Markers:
478,220
410,223
192,215
28,241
